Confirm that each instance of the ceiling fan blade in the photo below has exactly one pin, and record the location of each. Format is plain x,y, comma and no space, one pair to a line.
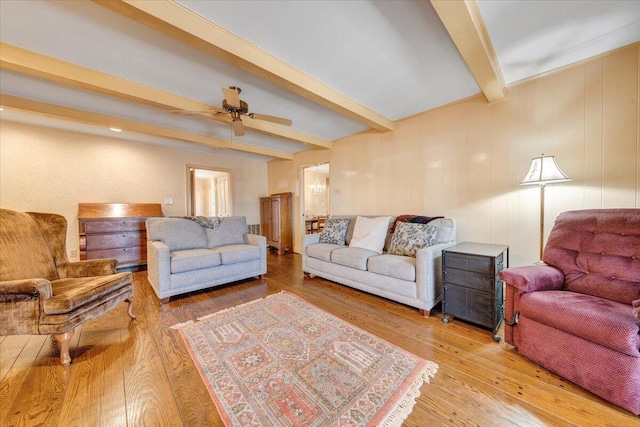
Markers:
231,95
237,126
211,111
273,119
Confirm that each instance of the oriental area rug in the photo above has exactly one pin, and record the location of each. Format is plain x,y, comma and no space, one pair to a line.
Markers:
280,361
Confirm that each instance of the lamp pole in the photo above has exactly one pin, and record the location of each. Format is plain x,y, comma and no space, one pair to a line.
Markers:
542,218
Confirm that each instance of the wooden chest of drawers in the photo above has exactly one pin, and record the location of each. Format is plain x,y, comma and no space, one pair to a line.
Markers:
115,231
473,290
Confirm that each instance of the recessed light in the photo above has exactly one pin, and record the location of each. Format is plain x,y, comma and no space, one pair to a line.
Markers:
1,109
115,129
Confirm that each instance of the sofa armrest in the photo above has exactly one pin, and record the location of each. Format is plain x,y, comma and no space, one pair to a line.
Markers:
429,271
255,240
308,239
88,268
158,265
261,242
20,305
533,278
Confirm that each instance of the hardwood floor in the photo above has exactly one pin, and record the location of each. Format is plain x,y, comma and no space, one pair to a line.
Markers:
138,373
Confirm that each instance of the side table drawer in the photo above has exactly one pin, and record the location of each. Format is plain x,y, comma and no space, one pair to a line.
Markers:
467,304
469,279
478,264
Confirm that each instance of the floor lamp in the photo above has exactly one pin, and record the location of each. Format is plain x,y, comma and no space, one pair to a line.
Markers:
544,170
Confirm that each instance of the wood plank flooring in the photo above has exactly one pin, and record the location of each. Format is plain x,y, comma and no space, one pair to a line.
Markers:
139,373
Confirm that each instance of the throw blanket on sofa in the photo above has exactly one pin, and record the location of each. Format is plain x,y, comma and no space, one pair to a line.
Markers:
417,219
204,221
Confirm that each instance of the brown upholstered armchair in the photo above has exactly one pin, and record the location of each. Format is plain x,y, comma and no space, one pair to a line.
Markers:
41,292
579,314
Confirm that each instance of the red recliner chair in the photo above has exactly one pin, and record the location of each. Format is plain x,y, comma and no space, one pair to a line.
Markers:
579,315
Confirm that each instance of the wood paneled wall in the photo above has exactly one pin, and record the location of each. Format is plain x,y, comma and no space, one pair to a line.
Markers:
466,160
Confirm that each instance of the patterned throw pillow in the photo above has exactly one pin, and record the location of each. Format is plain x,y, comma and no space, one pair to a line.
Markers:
335,231
408,238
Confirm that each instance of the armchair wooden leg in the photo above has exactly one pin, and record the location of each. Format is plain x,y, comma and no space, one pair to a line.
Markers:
425,313
130,308
63,340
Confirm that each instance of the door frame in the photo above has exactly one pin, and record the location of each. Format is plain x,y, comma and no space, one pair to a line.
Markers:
302,229
190,178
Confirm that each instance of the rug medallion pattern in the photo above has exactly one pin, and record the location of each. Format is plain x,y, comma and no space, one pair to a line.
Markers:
280,361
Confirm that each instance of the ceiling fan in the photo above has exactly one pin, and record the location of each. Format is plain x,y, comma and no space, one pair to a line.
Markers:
233,105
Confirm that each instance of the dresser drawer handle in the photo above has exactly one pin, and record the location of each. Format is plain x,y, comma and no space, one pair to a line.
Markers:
102,242
125,249
102,256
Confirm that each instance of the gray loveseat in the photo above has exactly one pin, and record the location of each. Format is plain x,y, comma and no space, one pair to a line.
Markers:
185,255
414,281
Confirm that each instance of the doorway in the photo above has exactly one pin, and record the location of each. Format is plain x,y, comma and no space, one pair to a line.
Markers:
315,200
209,191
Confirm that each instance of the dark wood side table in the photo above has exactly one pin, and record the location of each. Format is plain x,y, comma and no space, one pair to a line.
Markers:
473,290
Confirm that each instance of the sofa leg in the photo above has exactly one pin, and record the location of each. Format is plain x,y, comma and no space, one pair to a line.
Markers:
130,308
64,340
424,313
164,300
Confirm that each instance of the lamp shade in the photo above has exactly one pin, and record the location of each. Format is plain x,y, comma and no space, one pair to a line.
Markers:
544,170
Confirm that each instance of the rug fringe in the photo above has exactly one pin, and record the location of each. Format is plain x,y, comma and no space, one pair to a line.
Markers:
406,404
217,313
181,325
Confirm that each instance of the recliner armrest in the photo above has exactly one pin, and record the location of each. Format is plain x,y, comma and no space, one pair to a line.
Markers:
88,268
533,278
636,308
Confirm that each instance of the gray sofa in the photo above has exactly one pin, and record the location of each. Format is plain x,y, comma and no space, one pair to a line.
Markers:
414,281
185,255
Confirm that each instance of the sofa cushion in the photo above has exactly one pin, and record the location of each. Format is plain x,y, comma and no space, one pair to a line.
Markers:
446,230
322,250
408,238
177,233
370,233
335,231
230,231
352,257
232,254
193,259
400,267
601,321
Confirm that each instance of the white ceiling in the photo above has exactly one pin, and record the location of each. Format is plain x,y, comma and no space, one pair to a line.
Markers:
394,57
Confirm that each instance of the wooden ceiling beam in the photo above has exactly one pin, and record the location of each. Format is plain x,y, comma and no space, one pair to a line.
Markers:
103,120
463,21
52,69
178,22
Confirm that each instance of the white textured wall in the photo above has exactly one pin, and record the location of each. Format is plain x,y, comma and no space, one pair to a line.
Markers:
50,170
